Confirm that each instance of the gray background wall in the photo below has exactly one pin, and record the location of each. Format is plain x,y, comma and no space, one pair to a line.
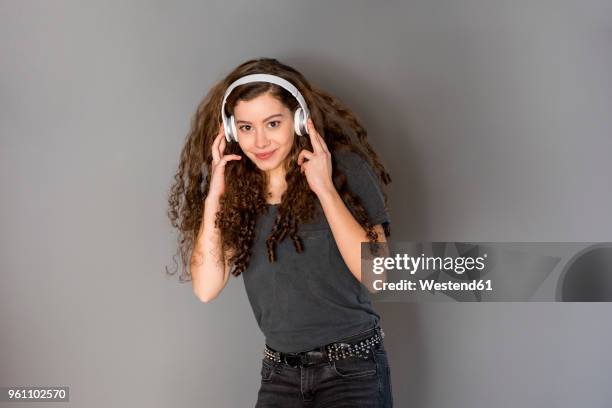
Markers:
491,116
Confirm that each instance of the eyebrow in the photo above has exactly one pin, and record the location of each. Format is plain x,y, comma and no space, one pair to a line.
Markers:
268,118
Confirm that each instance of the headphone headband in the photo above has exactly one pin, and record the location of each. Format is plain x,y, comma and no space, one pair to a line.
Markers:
301,115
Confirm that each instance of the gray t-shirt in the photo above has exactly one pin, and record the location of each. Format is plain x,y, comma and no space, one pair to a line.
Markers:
308,299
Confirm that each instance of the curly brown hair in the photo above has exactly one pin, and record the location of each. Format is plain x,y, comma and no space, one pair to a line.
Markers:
244,198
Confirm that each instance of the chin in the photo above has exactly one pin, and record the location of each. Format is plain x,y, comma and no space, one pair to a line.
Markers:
265,165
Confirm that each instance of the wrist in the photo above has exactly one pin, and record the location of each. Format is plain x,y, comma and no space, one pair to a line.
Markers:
328,194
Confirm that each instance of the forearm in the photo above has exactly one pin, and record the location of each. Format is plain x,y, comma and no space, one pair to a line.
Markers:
207,262
347,232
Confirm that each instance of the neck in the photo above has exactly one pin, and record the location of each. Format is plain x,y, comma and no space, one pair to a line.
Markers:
276,184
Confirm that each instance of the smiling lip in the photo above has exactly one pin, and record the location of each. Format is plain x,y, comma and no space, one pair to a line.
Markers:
264,156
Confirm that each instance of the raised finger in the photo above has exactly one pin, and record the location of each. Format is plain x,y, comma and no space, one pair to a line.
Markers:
314,140
323,144
215,147
222,144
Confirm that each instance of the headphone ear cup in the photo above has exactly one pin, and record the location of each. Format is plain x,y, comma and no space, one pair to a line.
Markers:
233,133
228,131
298,119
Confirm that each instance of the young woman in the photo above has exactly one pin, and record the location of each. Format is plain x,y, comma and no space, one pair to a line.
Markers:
291,188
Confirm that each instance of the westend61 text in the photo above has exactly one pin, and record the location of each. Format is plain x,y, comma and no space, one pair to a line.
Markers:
430,284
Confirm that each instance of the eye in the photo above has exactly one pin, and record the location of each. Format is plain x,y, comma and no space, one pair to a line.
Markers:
275,121
243,126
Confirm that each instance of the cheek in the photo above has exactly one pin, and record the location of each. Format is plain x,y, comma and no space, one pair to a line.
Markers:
244,145
287,139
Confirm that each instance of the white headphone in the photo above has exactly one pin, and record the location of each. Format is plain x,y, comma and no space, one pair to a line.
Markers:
300,117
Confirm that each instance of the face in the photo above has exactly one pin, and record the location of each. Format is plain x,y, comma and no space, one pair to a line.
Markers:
265,131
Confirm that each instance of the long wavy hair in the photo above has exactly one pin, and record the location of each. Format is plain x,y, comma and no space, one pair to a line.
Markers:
244,198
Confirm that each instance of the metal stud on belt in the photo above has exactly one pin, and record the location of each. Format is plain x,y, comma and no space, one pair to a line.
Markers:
274,356
339,351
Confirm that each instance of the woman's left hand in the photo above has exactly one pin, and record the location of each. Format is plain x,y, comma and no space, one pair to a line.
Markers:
317,165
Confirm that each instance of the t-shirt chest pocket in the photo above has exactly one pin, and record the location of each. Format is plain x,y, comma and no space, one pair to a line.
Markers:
319,230
315,238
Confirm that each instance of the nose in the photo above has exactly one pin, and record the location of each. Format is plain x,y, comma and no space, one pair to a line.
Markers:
261,140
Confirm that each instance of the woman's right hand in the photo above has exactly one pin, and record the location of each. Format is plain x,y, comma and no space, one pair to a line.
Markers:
217,177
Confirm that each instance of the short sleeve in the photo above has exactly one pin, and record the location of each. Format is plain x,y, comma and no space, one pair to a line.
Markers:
363,182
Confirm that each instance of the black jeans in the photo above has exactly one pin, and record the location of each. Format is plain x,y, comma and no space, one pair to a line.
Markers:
350,382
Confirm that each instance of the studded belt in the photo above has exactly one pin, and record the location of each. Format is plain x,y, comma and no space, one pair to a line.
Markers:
329,352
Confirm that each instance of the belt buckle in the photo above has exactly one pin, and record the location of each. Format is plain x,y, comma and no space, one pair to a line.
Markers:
292,359
312,357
